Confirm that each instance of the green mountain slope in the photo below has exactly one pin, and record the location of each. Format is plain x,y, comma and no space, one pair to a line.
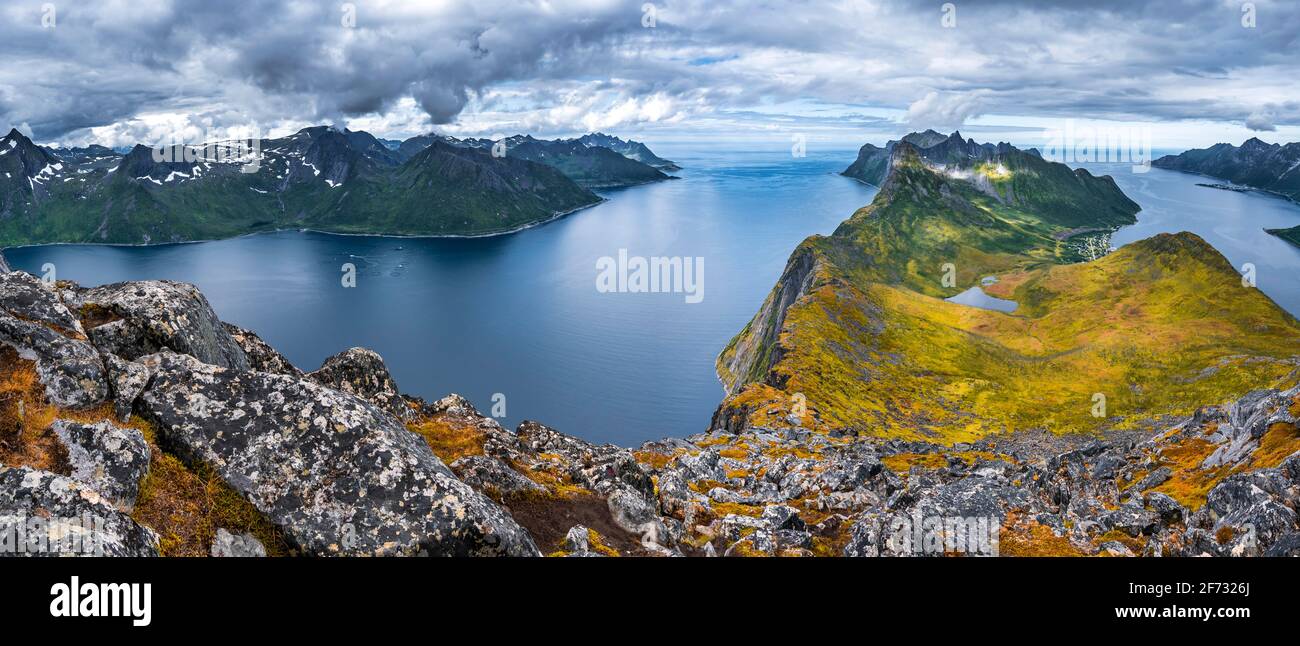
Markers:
318,178
857,328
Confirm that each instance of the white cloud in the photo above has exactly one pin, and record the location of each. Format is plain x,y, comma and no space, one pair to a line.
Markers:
1261,122
946,110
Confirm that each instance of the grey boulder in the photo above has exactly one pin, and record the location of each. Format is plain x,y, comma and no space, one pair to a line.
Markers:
109,459
228,545
362,372
338,474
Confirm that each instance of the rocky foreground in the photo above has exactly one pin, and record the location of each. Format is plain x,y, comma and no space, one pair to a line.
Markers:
136,423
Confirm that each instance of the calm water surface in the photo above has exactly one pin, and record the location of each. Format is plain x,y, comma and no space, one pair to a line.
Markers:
520,315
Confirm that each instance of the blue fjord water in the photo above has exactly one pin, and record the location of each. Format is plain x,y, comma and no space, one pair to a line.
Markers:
520,315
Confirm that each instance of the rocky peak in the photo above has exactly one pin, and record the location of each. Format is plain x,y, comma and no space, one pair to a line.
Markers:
1255,143
18,153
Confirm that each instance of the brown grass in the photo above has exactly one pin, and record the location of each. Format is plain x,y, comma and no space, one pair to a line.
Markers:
25,418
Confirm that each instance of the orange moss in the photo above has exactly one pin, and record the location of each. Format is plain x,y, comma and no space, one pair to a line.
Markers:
739,452
721,509
1136,545
1278,443
653,459
1033,539
903,462
1190,484
597,544
187,504
449,441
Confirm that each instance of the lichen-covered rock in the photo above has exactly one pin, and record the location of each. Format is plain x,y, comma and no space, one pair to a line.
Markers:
1165,507
60,516
126,380
228,545
152,316
70,369
110,459
362,372
338,474
493,476
25,297
1244,422
261,356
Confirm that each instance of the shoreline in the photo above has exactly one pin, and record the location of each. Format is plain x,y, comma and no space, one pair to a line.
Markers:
491,234
1230,186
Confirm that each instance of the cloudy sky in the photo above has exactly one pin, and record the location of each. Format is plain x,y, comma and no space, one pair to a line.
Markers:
839,72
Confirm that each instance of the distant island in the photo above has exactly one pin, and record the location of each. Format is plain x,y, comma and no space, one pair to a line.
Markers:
320,178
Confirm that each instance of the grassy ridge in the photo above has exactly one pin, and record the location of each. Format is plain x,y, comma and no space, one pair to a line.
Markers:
1158,328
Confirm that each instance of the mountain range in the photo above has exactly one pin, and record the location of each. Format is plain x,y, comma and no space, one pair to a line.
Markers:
318,178
1268,167
588,164
1139,402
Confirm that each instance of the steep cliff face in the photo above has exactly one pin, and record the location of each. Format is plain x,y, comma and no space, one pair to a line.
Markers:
752,353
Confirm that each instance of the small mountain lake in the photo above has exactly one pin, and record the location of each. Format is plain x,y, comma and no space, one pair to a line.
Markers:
975,297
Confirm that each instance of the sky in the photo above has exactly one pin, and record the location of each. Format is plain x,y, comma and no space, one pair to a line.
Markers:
732,72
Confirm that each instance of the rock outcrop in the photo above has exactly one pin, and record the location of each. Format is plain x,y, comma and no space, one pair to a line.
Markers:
142,318
261,356
337,473
107,458
338,462
362,372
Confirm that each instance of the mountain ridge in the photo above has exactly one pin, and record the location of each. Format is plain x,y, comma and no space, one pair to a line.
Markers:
318,178
857,324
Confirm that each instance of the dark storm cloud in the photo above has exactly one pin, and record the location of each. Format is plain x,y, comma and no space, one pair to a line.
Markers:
599,61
